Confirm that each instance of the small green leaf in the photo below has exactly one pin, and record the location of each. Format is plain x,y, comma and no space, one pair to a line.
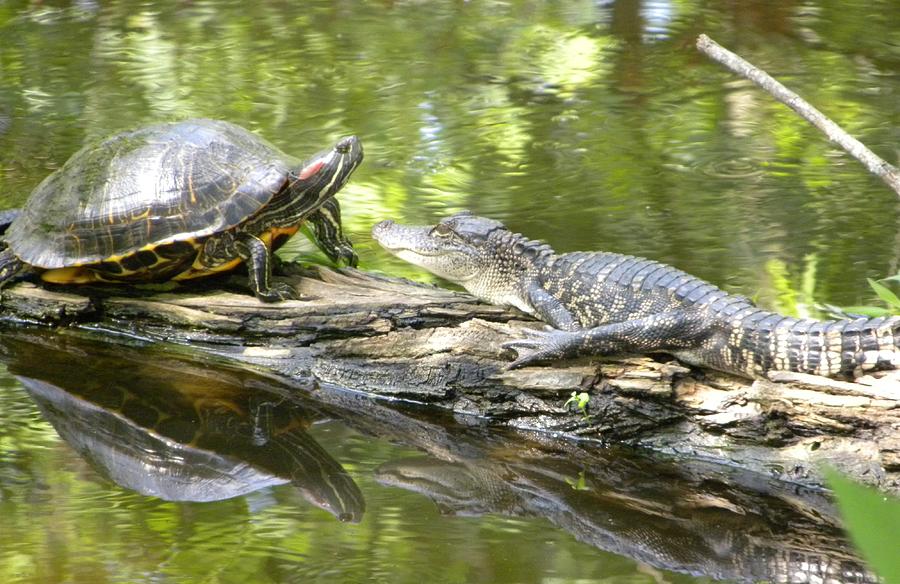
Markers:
894,278
583,399
885,293
869,311
873,521
579,484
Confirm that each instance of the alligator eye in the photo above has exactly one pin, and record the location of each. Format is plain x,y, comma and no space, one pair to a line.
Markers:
442,230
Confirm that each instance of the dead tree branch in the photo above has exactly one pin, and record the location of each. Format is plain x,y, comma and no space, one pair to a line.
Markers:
875,164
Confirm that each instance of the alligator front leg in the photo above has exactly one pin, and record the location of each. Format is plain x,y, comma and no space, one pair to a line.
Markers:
549,309
665,332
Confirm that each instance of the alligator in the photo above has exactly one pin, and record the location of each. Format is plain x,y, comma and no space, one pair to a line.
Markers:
600,303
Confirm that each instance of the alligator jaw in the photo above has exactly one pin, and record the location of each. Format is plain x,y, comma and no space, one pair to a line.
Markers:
397,239
416,245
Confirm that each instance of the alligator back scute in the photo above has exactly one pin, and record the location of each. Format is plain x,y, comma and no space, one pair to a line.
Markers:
599,288
605,287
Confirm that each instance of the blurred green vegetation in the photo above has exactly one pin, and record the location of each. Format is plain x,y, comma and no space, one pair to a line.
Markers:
590,126
873,521
888,296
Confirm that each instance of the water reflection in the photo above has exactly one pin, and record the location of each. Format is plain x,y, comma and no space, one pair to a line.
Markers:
169,428
652,513
181,428
684,516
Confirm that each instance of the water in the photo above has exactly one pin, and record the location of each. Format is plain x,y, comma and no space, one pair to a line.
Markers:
592,125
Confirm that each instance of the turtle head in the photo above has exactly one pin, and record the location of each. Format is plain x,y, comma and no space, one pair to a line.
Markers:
321,176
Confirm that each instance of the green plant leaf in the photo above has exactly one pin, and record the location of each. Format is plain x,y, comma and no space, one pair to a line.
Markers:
894,278
873,521
579,484
583,399
870,311
885,293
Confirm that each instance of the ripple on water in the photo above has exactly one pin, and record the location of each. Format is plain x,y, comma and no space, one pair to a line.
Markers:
740,167
724,165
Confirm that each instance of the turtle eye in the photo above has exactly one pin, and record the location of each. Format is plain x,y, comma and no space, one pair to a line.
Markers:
442,230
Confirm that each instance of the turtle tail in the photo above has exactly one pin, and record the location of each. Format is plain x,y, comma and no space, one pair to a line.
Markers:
10,266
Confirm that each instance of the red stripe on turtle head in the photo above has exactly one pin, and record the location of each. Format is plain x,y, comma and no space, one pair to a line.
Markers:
311,170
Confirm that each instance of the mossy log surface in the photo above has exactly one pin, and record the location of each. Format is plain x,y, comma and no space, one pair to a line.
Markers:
393,338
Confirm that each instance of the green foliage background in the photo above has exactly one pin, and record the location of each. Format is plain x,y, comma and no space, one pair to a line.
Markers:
591,125
873,521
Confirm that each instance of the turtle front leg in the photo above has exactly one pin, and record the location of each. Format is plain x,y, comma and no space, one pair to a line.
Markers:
258,259
326,223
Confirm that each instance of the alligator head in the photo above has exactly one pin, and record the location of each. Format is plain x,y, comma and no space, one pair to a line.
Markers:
479,254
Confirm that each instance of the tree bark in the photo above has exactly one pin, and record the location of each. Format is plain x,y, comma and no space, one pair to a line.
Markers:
393,338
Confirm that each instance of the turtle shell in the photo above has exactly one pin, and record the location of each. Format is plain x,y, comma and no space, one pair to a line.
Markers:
137,190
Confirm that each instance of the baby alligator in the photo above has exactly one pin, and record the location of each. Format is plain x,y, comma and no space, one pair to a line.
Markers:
600,303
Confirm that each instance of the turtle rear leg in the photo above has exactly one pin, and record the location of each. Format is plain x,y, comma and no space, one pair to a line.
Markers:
7,217
258,259
326,223
10,266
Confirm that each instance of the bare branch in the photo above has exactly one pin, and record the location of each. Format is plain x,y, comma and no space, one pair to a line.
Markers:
876,165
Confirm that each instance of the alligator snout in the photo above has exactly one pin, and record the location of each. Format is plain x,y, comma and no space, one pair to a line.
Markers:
380,230
393,236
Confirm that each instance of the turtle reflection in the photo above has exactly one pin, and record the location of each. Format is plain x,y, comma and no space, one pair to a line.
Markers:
180,431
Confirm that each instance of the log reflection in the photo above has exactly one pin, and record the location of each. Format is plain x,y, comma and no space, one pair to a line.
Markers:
685,519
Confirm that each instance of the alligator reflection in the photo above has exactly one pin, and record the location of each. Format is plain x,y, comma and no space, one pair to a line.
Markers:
680,519
174,429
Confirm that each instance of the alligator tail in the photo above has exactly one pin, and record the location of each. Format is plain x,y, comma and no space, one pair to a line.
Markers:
833,348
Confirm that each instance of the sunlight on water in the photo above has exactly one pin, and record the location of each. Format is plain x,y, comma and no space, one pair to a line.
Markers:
591,125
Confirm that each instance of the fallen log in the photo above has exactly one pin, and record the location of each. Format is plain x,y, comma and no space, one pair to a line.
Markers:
393,338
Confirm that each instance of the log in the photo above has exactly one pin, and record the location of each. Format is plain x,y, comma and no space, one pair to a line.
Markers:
393,338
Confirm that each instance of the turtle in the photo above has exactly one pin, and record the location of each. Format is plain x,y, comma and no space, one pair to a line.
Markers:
176,201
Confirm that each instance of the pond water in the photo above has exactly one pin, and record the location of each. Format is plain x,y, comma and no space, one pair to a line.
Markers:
592,125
